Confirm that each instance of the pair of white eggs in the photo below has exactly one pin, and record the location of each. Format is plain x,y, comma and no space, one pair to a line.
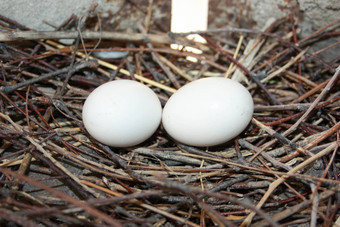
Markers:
205,112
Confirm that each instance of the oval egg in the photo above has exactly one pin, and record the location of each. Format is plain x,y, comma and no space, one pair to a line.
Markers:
122,113
208,112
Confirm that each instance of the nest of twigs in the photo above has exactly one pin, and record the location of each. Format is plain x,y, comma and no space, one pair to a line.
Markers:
282,170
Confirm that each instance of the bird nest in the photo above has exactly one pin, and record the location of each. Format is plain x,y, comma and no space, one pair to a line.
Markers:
282,170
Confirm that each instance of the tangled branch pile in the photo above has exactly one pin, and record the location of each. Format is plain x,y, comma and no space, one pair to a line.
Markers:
283,169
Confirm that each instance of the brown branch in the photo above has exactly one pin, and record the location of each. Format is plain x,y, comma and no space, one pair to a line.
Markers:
8,89
91,210
116,36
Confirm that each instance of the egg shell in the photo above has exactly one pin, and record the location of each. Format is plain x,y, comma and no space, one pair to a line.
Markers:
122,113
208,112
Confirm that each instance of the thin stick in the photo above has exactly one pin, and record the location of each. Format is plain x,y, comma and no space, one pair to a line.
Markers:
116,36
316,101
175,68
114,67
239,44
149,207
48,155
148,16
296,208
318,31
8,89
285,67
91,210
277,182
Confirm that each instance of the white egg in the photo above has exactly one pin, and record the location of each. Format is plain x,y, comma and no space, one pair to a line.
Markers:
208,112
122,113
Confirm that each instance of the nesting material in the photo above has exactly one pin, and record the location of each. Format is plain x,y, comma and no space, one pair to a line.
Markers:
282,169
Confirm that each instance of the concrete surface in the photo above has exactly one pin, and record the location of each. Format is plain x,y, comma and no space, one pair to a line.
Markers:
34,13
